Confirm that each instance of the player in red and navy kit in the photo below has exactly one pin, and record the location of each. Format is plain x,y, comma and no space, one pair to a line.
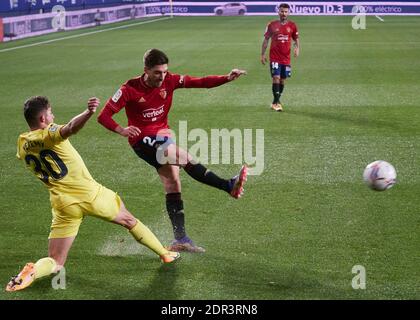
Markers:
281,32
147,100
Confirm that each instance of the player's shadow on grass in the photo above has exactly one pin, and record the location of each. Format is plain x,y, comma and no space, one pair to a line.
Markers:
162,286
262,283
359,119
133,277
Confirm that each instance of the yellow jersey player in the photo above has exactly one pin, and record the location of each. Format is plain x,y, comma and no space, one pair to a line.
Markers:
74,194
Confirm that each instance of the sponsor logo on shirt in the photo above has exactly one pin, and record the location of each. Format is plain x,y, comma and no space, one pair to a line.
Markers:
117,96
152,114
283,37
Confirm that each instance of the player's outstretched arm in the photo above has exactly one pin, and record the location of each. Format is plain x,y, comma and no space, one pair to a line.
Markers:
212,81
78,122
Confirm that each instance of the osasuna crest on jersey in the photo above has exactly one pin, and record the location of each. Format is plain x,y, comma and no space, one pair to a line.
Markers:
117,95
163,93
181,80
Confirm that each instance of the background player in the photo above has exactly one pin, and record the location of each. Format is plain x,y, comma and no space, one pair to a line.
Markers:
73,192
147,100
281,32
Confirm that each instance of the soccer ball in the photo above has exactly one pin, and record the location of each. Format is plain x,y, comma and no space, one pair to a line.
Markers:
380,175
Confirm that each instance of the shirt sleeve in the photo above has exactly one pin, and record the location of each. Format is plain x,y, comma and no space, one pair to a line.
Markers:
105,118
267,32
204,82
119,99
113,106
177,81
52,133
186,81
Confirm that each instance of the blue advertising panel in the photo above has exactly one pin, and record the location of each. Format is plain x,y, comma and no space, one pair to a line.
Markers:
82,13
28,6
36,5
311,7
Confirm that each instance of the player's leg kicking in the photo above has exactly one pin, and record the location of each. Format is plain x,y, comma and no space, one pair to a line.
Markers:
177,156
66,222
169,175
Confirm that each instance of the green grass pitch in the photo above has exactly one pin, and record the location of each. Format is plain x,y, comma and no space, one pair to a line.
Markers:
301,226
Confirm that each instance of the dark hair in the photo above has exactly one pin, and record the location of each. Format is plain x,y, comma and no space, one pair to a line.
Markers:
154,57
33,107
284,5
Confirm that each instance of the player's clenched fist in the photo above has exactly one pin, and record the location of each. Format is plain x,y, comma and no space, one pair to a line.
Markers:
93,103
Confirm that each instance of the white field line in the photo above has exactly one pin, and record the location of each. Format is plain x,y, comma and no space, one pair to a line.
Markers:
81,35
379,18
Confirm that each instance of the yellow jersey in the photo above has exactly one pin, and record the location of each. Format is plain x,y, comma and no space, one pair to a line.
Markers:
56,163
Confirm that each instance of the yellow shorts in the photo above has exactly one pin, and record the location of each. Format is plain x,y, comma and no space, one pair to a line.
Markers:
66,221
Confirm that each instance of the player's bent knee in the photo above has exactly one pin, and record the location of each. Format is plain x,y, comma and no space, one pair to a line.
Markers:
174,182
131,222
173,185
126,219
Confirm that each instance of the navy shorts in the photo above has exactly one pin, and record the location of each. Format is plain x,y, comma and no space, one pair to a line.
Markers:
150,147
282,70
